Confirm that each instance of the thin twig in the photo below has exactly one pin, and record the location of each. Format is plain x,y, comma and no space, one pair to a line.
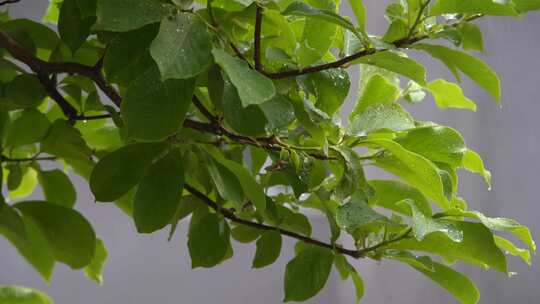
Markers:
6,159
229,214
257,38
418,18
9,2
401,43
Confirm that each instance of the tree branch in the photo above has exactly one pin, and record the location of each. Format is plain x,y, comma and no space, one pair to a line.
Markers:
50,86
229,214
4,158
401,43
257,38
418,18
2,3
42,67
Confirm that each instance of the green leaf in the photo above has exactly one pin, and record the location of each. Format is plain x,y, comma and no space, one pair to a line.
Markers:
126,15
94,270
499,224
376,90
488,7
474,163
69,234
437,143
127,55
381,116
477,247
454,282
526,5
208,241
119,171
252,86
450,95
159,193
389,193
57,188
245,234
268,249
72,26
331,88
474,68
23,295
357,213
29,128
360,12
28,240
397,63
153,109
423,225
413,168
472,37
278,111
182,49
303,9
25,91
307,273
227,184
253,191
510,248
65,141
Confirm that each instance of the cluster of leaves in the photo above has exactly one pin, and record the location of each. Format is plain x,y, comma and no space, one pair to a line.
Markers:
229,112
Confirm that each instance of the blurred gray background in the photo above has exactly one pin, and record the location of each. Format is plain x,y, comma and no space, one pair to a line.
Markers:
145,269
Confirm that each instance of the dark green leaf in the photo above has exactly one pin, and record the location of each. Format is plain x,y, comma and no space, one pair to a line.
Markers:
307,273
29,128
153,110
245,234
159,193
126,15
357,213
182,49
208,241
72,26
268,249
118,172
25,91
65,141
69,234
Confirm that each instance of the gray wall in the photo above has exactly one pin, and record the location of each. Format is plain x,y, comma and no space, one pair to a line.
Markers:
145,269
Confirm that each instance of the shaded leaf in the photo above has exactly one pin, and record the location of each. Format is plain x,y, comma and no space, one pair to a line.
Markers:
268,249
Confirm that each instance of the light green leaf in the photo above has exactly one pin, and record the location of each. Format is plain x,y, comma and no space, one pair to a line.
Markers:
510,248
413,168
126,15
252,86
95,269
360,12
526,5
474,68
153,109
57,188
119,171
208,241
30,127
423,225
182,49
437,143
376,90
477,247
450,95
474,163
69,234
398,64
454,282
303,9
268,249
499,224
471,37
159,193
252,189
307,273
489,7
388,193
381,116
23,295
357,213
